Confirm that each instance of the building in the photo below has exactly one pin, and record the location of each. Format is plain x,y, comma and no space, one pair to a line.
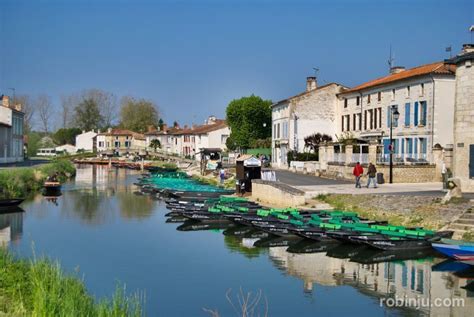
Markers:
463,154
11,131
86,141
297,117
424,98
120,141
164,135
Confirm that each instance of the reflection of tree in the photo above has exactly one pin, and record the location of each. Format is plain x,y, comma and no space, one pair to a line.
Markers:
85,205
133,206
234,244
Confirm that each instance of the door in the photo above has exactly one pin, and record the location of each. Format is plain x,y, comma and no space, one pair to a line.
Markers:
471,161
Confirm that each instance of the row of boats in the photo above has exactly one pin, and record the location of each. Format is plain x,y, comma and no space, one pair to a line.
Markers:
314,225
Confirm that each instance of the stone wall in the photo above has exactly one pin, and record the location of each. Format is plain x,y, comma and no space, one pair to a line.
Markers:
277,193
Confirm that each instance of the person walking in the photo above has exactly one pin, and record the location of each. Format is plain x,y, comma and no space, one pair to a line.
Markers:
372,172
358,171
222,175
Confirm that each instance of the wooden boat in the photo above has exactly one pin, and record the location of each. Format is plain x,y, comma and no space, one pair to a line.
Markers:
9,203
467,259
52,185
455,248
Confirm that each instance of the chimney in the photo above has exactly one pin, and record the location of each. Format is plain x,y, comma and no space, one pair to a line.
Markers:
109,130
5,101
164,127
396,69
211,120
311,83
467,48
151,128
185,126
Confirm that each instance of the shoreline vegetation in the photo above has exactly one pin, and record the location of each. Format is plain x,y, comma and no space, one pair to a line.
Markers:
21,181
39,287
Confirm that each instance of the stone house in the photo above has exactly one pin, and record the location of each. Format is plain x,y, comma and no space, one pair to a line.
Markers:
120,141
297,117
164,135
11,131
424,98
463,154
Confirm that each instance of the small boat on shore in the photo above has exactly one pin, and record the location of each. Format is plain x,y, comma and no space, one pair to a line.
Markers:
10,203
456,249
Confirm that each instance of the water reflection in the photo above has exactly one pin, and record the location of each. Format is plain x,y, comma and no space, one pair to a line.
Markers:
374,273
11,227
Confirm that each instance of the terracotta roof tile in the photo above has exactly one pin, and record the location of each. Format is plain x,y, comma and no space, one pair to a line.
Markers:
434,68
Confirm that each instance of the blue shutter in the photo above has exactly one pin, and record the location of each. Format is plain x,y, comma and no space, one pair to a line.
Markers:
407,114
415,148
410,146
423,145
415,120
403,146
386,143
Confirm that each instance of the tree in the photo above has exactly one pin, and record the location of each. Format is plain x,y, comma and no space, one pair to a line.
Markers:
66,136
249,119
161,123
155,144
138,115
68,103
313,141
43,104
87,115
107,103
175,124
28,109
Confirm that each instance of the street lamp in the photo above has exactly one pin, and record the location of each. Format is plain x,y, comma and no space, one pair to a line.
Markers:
394,115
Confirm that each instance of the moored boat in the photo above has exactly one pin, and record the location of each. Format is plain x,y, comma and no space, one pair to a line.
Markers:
455,249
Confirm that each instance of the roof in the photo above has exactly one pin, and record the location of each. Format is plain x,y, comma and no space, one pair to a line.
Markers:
434,68
118,132
244,157
304,93
203,129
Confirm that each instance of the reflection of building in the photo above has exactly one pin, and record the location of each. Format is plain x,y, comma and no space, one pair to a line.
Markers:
11,227
408,279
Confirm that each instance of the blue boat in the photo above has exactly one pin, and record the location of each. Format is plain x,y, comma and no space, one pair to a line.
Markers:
454,248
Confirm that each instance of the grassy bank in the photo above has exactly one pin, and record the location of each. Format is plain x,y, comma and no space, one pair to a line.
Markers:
428,212
41,288
18,182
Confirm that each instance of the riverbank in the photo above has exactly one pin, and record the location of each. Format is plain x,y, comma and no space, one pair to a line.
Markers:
402,210
19,182
41,288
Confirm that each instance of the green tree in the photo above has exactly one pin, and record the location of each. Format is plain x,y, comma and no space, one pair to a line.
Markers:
66,136
161,123
249,119
313,141
138,115
87,115
155,144
33,143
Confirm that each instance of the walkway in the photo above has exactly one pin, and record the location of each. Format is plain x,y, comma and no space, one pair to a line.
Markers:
294,179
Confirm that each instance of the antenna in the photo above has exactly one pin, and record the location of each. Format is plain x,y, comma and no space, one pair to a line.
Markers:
391,59
316,70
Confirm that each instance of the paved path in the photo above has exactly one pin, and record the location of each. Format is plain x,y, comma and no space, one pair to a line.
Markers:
294,179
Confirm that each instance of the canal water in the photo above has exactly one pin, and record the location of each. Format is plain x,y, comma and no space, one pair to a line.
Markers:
100,228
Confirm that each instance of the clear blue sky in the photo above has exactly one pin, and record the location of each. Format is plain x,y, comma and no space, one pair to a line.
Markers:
193,57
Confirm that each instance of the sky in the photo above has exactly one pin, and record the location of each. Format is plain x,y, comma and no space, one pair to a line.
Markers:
193,57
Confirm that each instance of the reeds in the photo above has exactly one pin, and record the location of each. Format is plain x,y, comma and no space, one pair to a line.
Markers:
41,288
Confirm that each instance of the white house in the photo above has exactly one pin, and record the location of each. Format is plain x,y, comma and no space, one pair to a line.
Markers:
424,98
65,149
295,118
11,131
164,135
86,141
212,135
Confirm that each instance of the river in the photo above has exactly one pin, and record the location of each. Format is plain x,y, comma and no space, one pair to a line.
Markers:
102,230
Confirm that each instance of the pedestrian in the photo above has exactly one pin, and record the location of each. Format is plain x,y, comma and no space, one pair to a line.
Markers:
222,175
242,187
358,171
372,172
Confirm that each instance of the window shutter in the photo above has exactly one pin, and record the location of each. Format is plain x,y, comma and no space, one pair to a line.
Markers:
415,147
415,119
389,116
423,104
407,114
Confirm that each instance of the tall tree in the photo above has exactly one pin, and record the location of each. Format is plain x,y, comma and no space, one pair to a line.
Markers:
68,103
45,111
28,109
107,103
87,115
138,115
249,119
66,136
313,141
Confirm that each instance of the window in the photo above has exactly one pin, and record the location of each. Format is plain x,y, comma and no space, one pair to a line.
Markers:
371,114
278,130
408,91
379,96
375,118
423,113
354,118
358,100
348,122
274,130
127,143
365,120
393,94
389,116
345,102
342,123
407,114
422,89
368,98
117,144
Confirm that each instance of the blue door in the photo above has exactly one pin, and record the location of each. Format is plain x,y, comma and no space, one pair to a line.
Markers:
471,161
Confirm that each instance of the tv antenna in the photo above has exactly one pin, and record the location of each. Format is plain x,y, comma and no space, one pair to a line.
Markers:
391,59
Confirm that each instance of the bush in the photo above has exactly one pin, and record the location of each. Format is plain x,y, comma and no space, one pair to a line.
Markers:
297,156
